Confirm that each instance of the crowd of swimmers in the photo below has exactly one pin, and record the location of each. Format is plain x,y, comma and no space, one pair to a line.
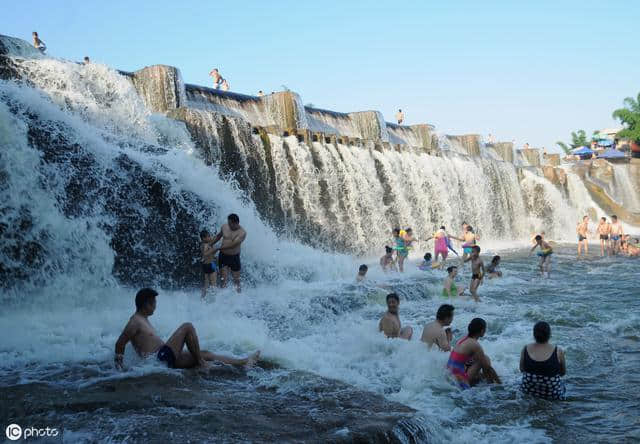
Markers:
613,240
542,364
402,242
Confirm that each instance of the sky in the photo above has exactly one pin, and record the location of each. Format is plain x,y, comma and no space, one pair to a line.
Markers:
529,71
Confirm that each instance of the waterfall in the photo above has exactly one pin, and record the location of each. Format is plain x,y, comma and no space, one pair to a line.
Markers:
89,141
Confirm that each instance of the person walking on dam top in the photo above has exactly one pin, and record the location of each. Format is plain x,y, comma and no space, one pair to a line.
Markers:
217,78
232,235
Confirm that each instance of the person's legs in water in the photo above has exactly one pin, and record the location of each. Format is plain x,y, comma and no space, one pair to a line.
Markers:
236,279
541,264
480,370
406,332
195,357
473,288
209,279
224,276
186,334
547,265
401,257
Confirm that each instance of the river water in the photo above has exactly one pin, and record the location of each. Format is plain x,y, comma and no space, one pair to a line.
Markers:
329,328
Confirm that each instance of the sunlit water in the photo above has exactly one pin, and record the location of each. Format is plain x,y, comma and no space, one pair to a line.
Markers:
329,328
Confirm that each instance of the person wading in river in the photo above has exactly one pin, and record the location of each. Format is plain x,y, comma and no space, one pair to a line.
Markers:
146,342
390,323
603,230
468,363
232,235
583,232
438,332
542,365
616,234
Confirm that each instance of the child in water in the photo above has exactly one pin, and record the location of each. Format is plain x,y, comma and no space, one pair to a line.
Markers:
545,255
492,269
449,288
362,273
426,263
387,262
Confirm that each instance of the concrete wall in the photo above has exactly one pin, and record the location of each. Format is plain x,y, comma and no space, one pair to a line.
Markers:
162,89
470,143
529,157
504,150
552,159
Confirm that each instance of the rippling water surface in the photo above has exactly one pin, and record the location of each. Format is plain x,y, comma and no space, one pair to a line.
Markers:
329,329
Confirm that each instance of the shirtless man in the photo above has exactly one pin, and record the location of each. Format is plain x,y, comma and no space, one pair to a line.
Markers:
37,43
545,255
362,273
477,271
583,231
616,234
217,78
390,322
209,266
468,363
400,117
387,262
439,331
146,342
232,235
603,230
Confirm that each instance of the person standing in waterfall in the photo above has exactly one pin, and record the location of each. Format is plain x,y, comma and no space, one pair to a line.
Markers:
603,230
209,266
217,78
400,117
583,231
401,249
616,234
232,235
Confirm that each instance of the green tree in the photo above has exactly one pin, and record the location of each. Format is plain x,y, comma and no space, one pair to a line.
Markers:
630,117
578,139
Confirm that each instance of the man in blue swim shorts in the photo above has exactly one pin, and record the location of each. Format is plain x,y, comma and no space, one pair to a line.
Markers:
146,342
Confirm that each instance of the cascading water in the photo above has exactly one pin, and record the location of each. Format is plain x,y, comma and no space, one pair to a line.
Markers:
100,196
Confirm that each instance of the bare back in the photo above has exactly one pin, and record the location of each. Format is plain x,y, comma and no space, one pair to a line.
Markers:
434,333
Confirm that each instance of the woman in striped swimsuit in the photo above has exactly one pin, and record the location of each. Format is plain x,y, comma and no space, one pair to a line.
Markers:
467,363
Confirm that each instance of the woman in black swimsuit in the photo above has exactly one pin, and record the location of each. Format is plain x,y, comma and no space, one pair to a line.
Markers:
542,366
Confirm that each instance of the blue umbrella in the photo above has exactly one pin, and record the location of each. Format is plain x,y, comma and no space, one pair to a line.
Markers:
612,154
582,151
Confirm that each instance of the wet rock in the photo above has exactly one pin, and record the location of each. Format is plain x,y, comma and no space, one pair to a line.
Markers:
219,405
